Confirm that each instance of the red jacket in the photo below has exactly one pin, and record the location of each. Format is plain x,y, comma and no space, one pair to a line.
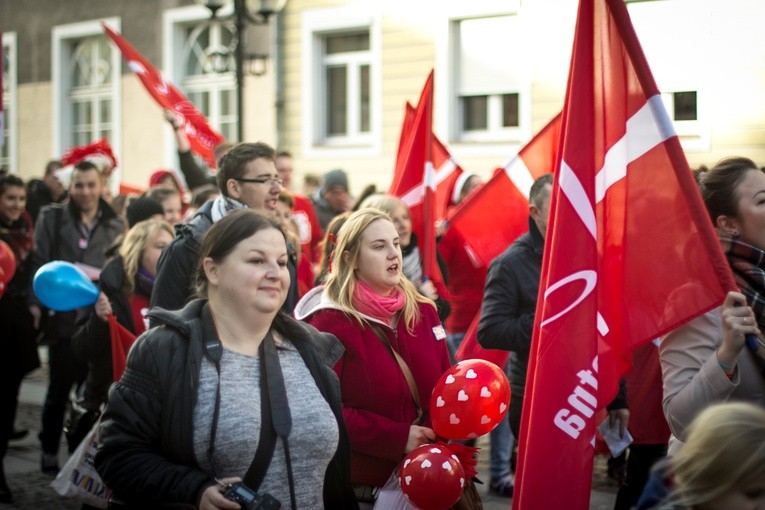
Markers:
377,404
310,229
466,278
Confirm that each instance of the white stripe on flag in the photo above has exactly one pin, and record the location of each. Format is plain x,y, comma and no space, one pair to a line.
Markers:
646,129
519,174
415,195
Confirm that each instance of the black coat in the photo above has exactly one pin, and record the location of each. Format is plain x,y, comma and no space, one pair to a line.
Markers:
146,454
91,341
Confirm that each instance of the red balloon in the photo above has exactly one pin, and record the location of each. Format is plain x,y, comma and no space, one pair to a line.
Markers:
469,400
7,264
432,477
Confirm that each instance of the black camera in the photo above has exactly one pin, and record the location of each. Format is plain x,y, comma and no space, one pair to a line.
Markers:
249,500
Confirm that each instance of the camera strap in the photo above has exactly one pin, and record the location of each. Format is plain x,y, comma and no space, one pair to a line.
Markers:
275,417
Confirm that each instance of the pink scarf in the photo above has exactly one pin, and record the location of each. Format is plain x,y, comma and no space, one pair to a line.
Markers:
369,302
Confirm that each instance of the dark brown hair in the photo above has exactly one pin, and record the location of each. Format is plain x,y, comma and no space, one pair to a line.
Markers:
232,164
719,185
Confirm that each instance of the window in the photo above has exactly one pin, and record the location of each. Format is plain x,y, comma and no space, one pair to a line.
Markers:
490,98
208,48
86,86
8,117
346,65
90,92
679,73
341,107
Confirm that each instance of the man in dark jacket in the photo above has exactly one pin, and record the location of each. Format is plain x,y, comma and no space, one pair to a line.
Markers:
510,301
247,178
77,232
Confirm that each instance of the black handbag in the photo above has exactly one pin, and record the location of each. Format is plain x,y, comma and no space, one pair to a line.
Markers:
80,421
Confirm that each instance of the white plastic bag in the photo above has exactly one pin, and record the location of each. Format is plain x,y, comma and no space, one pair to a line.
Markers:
390,496
78,478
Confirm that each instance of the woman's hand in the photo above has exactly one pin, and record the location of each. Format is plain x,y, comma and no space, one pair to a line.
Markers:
212,498
737,321
103,307
419,436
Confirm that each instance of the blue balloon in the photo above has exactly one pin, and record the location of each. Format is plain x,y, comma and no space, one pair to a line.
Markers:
63,287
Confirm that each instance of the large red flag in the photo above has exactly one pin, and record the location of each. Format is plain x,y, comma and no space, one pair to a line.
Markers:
628,245
493,217
415,170
202,137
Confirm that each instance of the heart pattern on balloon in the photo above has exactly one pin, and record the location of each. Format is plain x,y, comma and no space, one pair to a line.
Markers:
426,464
462,396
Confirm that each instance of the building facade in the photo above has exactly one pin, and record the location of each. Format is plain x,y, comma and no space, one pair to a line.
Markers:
341,72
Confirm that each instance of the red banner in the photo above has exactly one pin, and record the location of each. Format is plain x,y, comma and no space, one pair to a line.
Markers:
202,137
121,340
628,245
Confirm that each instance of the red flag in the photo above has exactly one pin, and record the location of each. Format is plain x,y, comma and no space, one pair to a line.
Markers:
415,171
410,188
202,137
628,246
122,340
490,219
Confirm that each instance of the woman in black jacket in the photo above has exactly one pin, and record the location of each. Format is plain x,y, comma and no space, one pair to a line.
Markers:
18,352
187,411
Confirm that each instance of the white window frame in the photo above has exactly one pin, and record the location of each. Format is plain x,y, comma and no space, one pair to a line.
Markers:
500,141
10,102
316,24
62,36
174,23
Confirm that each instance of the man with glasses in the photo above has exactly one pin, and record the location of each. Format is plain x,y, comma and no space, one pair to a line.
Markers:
247,178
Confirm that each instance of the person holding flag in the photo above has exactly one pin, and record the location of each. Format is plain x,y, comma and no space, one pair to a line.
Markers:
708,360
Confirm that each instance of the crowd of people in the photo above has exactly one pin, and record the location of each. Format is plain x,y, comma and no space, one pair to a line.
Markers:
289,344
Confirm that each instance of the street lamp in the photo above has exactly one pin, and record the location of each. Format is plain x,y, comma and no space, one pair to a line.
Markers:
256,12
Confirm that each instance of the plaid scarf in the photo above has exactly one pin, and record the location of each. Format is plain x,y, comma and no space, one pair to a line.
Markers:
748,265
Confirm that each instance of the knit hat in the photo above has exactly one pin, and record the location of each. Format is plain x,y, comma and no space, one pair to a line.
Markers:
334,178
142,208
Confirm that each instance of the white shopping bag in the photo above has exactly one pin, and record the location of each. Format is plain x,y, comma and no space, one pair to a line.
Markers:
78,478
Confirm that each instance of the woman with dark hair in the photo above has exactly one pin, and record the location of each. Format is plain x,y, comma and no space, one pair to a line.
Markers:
391,335
19,352
187,411
706,360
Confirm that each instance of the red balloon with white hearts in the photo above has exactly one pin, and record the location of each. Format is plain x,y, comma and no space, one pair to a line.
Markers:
432,477
469,400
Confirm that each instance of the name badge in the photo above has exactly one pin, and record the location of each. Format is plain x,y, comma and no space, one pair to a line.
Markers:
439,332
83,243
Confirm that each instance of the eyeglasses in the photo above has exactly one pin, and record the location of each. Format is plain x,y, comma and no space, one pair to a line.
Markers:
265,180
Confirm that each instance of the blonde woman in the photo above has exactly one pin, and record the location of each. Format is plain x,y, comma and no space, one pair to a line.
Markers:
126,284
377,313
720,467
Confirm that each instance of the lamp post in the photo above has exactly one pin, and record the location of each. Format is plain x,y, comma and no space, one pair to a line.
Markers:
256,12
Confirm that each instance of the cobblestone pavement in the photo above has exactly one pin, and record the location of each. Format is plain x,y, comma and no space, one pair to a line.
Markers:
31,489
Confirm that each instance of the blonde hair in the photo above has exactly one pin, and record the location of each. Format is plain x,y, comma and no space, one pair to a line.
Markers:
725,451
341,281
386,203
132,248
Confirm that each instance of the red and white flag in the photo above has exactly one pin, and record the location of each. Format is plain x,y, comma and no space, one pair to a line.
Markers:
202,137
415,179
409,187
490,219
630,254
